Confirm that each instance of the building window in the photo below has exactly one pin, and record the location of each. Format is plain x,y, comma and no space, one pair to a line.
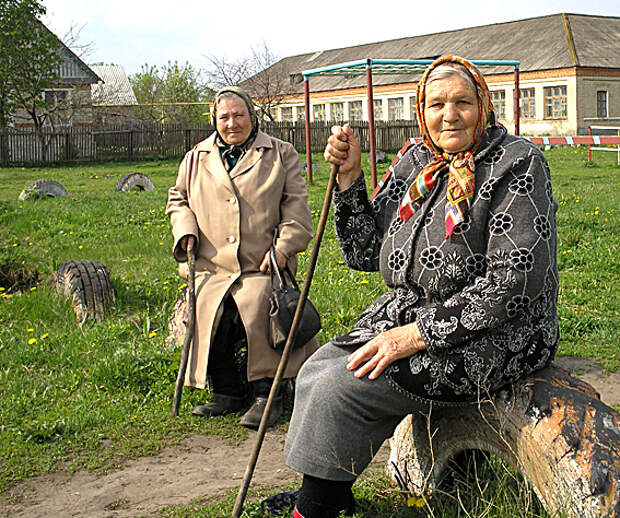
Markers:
527,101
499,103
286,113
337,112
555,102
378,109
412,108
301,113
58,107
395,109
355,110
318,112
601,104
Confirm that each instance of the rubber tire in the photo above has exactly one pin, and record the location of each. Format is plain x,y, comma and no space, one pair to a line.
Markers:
134,181
45,188
88,283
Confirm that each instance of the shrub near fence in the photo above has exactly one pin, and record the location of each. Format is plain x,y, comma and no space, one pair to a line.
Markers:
148,140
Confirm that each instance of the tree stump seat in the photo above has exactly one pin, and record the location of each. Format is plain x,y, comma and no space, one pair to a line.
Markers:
550,426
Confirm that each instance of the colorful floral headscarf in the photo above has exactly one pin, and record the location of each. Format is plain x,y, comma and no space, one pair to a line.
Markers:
461,165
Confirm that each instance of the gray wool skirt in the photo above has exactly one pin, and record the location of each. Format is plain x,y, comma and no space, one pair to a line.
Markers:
339,422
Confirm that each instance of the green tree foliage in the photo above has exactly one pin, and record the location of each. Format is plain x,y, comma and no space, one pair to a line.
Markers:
162,90
29,61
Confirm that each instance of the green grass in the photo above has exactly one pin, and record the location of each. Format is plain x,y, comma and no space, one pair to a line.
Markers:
66,392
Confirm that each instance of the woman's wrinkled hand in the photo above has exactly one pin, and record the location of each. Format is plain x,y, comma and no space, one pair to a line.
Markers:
343,150
280,260
384,349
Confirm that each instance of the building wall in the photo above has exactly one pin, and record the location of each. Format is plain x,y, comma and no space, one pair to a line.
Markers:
588,85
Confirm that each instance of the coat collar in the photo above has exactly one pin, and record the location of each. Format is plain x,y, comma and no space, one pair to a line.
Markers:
209,156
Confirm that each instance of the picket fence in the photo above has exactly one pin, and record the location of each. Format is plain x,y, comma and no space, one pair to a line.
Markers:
27,146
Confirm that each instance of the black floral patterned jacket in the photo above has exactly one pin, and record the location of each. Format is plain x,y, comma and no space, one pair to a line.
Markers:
485,299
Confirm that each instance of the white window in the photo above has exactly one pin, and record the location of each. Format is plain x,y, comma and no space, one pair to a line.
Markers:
528,103
355,110
395,109
555,102
499,103
58,107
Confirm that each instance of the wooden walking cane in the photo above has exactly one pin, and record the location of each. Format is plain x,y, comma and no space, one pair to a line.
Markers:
189,329
289,344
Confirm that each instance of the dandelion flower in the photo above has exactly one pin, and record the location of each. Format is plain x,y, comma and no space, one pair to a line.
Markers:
34,288
152,334
2,289
32,341
44,335
80,247
30,330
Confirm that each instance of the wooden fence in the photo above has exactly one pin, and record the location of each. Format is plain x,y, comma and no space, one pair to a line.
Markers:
26,146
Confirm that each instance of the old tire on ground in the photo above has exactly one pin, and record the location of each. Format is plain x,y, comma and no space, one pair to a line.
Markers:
42,188
88,283
134,181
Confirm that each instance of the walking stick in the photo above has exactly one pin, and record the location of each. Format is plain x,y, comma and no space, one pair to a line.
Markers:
189,329
289,344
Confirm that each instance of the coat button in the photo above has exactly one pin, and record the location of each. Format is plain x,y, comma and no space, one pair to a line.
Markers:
231,239
232,200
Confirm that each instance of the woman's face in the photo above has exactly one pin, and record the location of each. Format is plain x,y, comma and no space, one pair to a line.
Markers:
451,113
233,120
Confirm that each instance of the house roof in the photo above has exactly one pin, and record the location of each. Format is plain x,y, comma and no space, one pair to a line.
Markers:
72,69
115,88
543,43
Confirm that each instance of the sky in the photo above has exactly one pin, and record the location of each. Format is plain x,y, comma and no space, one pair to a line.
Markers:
134,32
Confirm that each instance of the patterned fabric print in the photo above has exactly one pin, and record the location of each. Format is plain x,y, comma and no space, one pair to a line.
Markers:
460,188
485,300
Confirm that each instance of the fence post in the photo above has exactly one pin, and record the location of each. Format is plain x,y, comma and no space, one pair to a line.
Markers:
130,143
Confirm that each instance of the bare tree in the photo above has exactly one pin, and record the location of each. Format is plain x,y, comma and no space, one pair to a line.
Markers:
262,74
73,40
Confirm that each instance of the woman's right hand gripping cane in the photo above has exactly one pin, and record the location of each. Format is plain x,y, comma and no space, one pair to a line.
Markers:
343,150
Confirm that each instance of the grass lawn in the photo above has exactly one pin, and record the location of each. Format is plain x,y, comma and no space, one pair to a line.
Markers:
66,390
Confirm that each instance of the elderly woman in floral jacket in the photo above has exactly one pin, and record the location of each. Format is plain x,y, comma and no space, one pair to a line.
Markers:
464,235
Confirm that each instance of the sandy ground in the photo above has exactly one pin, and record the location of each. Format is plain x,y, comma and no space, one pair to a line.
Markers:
199,467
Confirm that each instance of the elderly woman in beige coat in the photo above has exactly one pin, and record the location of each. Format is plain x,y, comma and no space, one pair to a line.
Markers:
237,192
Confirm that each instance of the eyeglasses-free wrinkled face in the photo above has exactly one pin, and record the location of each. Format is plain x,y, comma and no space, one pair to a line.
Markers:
233,120
451,113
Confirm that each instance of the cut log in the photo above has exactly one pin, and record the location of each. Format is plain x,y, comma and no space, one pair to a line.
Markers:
551,427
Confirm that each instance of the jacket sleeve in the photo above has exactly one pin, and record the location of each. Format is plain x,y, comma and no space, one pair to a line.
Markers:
182,218
361,223
295,227
520,261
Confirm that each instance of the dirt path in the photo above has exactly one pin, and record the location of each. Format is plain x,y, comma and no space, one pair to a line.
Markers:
201,466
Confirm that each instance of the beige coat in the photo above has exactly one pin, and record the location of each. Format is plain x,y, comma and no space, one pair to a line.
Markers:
234,215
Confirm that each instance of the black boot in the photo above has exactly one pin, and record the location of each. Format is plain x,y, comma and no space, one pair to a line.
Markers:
220,404
252,418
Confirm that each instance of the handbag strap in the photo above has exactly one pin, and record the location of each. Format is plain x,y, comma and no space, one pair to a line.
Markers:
274,270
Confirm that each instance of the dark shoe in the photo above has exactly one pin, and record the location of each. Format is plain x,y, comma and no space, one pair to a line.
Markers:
279,504
220,404
251,419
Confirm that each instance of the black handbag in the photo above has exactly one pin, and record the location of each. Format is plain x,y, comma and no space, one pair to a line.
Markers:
283,303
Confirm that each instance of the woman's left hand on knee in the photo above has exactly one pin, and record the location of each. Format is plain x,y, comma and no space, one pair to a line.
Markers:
384,349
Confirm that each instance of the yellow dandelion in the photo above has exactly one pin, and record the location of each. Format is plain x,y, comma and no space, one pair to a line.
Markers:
1,289
364,282
34,288
14,244
152,334
80,247
44,335
183,286
32,341
30,330
165,282
415,501
161,243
